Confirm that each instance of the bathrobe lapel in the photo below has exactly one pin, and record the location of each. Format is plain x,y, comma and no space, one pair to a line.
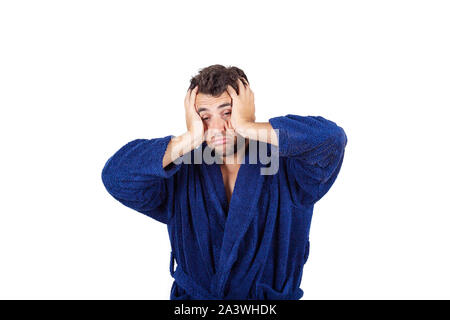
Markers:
240,213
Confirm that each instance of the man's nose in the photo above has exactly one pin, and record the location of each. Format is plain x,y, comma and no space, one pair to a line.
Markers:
217,124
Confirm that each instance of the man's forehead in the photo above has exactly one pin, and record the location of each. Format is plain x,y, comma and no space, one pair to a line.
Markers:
208,101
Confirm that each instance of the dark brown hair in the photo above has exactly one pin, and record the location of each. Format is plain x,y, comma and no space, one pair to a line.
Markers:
214,79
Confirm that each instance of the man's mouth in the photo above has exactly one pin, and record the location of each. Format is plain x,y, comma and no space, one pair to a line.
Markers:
220,141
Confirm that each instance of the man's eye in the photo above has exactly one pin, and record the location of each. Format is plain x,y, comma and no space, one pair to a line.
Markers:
227,112
205,118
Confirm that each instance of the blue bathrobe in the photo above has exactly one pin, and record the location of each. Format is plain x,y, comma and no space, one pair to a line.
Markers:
255,247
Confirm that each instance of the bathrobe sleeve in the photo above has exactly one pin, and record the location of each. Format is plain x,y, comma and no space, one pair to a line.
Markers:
134,176
314,150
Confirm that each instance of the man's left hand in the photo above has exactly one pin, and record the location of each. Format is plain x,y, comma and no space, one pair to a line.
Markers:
243,105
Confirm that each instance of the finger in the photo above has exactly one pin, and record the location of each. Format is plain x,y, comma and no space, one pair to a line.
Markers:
194,91
230,126
247,86
193,96
242,88
186,98
231,91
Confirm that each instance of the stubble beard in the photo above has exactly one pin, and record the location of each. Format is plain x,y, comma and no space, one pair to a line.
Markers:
230,149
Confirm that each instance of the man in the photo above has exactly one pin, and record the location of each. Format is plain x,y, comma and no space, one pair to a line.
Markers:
235,233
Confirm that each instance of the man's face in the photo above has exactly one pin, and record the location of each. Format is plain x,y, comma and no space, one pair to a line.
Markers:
216,114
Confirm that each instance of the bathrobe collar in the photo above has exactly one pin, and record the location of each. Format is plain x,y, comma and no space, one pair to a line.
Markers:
237,219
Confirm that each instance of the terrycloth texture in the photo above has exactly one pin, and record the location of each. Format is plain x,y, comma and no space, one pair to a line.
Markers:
256,248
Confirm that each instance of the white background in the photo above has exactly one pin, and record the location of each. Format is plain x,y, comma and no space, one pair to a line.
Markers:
79,79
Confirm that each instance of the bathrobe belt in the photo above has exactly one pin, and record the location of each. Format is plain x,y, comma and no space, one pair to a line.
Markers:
192,288
197,292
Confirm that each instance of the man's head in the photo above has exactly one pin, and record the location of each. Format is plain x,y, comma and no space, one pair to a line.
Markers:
214,105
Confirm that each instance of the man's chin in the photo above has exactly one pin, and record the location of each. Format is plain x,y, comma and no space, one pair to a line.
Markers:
224,150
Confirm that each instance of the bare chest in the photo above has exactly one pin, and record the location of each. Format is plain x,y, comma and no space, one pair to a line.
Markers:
229,179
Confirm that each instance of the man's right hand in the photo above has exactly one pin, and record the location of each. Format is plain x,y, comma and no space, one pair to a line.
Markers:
194,122
192,138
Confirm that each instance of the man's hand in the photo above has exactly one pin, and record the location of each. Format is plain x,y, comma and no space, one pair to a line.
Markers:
243,116
192,138
243,106
194,122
